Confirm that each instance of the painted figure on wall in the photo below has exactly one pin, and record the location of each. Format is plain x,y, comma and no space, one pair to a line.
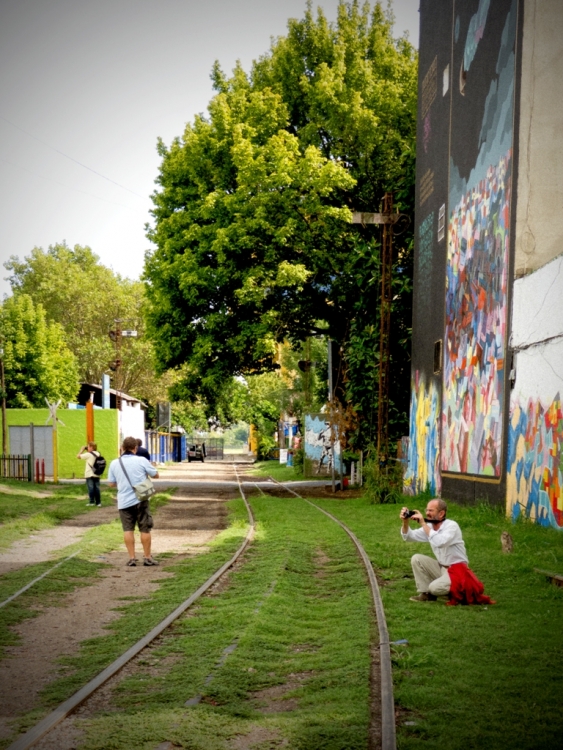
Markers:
424,439
475,334
535,462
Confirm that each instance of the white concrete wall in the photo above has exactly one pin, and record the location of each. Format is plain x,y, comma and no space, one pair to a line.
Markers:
535,445
131,423
539,214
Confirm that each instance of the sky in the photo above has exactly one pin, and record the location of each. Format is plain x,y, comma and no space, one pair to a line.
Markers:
87,87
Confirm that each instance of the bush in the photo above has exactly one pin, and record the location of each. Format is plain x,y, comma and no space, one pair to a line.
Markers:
383,480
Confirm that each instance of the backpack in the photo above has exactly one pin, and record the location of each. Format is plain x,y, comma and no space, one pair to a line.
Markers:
99,465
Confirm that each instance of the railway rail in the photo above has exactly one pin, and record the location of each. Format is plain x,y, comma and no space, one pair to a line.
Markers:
386,711
388,735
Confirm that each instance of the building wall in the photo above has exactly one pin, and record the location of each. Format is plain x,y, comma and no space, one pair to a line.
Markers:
539,215
464,239
535,440
434,86
72,436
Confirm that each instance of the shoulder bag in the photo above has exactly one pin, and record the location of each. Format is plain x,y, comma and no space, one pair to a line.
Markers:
144,490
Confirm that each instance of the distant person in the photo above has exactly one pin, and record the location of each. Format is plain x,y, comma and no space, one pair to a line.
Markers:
132,511
143,452
88,453
448,574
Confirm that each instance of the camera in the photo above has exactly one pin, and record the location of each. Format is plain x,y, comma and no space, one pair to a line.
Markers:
409,513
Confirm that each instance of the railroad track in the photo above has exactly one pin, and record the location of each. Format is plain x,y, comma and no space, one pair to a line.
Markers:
385,712
388,736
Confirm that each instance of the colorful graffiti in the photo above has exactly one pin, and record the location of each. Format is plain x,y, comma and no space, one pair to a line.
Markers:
535,462
476,310
423,469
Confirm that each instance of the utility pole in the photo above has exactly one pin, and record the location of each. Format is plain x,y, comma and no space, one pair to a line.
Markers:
386,219
118,364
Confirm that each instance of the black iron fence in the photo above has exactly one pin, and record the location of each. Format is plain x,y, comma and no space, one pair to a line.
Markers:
16,467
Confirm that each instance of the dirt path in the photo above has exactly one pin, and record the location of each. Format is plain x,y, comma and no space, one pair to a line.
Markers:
185,525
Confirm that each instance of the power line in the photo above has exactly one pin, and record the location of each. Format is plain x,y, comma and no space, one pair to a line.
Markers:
71,158
68,187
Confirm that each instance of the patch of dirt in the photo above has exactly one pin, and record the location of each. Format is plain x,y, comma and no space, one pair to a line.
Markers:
28,493
58,631
185,525
304,648
257,737
321,561
272,700
38,547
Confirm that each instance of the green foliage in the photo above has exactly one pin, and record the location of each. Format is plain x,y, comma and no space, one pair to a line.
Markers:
254,244
383,480
37,362
84,298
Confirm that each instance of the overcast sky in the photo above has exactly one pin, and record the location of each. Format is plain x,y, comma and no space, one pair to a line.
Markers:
97,82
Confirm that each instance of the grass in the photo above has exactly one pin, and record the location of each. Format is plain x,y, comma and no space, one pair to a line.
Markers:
299,611
22,514
472,677
281,472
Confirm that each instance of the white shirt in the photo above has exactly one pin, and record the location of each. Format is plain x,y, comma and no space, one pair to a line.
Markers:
137,469
447,543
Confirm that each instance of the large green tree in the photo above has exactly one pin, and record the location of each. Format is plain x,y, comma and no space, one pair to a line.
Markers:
85,298
252,216
37,362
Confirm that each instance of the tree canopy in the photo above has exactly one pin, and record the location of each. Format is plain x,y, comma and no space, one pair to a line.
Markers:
85,297
252,215
37,362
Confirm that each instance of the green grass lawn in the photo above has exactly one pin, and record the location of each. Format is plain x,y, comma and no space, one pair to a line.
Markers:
298,611
472,677
274,469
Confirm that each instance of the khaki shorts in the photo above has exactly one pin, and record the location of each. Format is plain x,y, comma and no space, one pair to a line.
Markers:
137,515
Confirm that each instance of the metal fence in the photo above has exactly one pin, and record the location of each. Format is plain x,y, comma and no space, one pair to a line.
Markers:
16,467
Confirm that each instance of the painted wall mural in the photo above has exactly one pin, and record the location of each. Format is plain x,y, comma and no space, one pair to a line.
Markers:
424,439
476,307
478,252
318,445
535,462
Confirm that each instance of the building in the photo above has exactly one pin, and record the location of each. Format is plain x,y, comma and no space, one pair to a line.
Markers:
487,357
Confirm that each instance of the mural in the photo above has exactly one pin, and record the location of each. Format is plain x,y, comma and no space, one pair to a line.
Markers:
535,462
318,448
424,439
476,287
477,256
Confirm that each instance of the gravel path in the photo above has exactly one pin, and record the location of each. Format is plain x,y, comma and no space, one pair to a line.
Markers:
185,526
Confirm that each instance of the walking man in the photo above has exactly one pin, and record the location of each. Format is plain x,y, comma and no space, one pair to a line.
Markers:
125,473
89,453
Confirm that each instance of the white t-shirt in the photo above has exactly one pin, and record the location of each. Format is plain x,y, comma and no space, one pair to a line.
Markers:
137,469
447,543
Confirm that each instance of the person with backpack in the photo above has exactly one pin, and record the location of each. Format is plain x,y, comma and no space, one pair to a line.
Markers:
95,465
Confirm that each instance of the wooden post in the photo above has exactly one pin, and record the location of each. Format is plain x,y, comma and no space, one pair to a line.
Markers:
89,422
55,453
3,389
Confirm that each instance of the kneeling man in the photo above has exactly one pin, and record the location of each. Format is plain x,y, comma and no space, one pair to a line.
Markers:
448,574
